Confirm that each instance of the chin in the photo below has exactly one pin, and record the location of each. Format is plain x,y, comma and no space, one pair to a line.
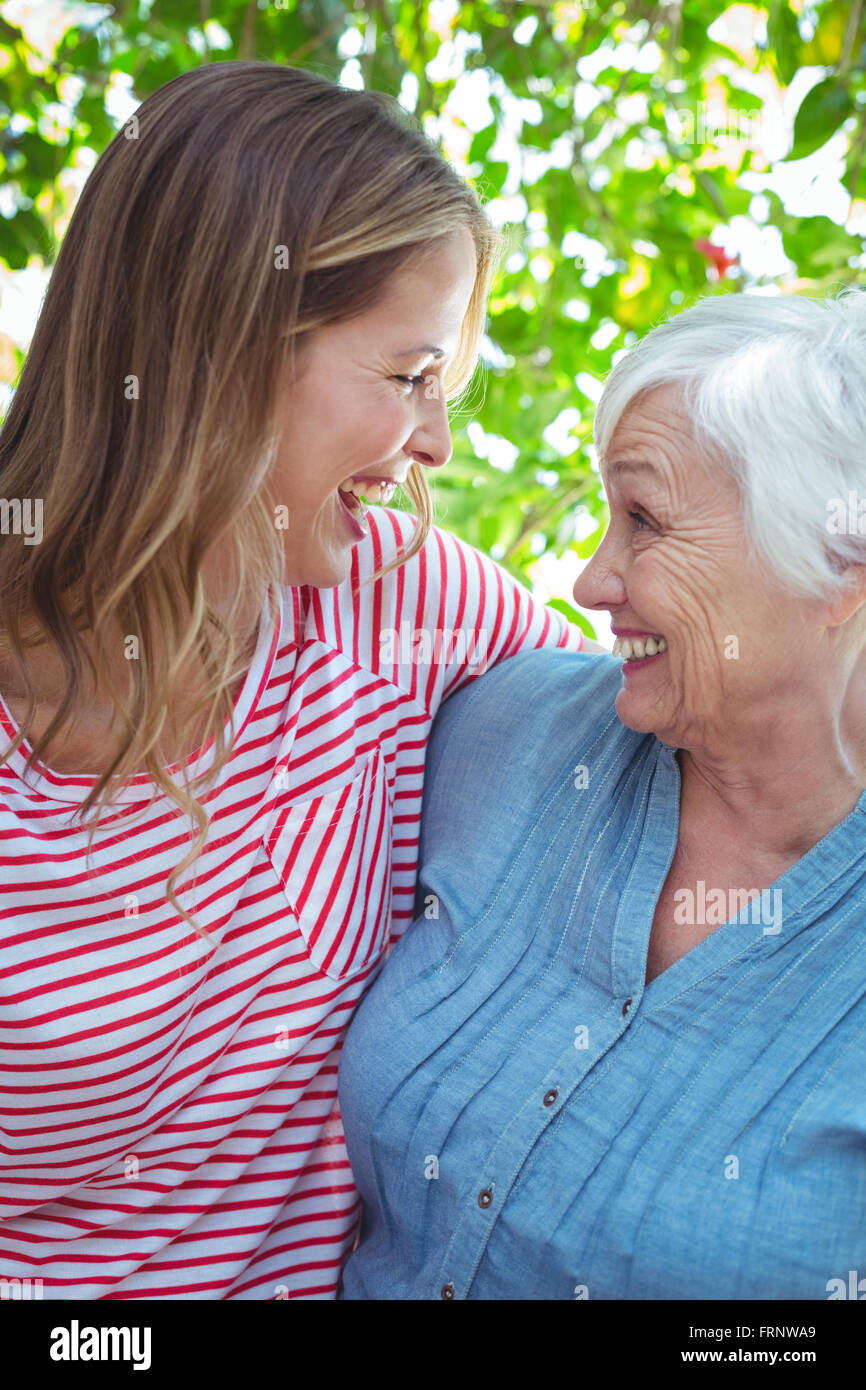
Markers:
321,572
634,714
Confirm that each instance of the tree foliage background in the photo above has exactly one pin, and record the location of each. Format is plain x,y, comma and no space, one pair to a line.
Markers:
639,155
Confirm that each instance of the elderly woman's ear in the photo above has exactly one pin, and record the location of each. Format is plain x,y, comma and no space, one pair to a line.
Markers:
850,599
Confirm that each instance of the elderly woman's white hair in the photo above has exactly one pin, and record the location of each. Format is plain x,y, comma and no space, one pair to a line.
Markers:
776,392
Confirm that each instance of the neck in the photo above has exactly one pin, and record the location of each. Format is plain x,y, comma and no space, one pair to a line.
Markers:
777,785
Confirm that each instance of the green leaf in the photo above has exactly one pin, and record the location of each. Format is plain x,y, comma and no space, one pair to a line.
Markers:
632,185
482,142
784,40
818,244
589,546
573,616
821,113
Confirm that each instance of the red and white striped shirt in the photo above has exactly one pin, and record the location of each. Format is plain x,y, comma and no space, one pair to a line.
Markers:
168,1106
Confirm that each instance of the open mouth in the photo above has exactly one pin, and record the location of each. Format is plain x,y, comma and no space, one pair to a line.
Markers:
357,494
639,648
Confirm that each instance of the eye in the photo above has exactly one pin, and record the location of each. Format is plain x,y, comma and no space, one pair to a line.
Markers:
411,380
642,519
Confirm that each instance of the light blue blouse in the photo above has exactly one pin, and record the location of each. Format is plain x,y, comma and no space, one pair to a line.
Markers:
525,1117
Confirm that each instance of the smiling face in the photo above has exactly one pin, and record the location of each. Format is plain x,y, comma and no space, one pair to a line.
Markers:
674,563
368,402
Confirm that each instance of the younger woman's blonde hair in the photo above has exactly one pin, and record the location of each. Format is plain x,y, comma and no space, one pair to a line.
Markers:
243,207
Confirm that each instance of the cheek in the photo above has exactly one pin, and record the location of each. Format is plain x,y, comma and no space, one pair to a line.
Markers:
367,418
392,413
675,578
343,434
690,598
382,431
340,431
656,578
668,591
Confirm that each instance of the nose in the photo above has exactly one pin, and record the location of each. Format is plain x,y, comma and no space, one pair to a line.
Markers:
601,583
430,442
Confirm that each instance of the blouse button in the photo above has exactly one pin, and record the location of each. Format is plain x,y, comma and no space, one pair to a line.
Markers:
551,1096
447,1291
625,1008
485,1197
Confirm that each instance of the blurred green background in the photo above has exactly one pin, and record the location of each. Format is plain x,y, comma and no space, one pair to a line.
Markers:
639,156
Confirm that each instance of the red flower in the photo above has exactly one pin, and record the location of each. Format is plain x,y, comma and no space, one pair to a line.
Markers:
717,258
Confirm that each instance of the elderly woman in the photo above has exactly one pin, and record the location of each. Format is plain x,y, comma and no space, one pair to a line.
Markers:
620,1052
219,670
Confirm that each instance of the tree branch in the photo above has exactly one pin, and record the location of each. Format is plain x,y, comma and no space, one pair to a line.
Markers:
850,36
536,516
247,43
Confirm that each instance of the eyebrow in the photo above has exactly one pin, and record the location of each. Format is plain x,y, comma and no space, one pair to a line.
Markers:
422,352
633,466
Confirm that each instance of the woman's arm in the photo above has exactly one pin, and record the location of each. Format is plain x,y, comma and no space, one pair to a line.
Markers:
448,615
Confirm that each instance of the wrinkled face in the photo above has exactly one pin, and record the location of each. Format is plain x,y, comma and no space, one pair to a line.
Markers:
674,564
368,402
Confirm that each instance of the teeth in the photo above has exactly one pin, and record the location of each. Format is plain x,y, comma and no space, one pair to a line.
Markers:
635,648
371,493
